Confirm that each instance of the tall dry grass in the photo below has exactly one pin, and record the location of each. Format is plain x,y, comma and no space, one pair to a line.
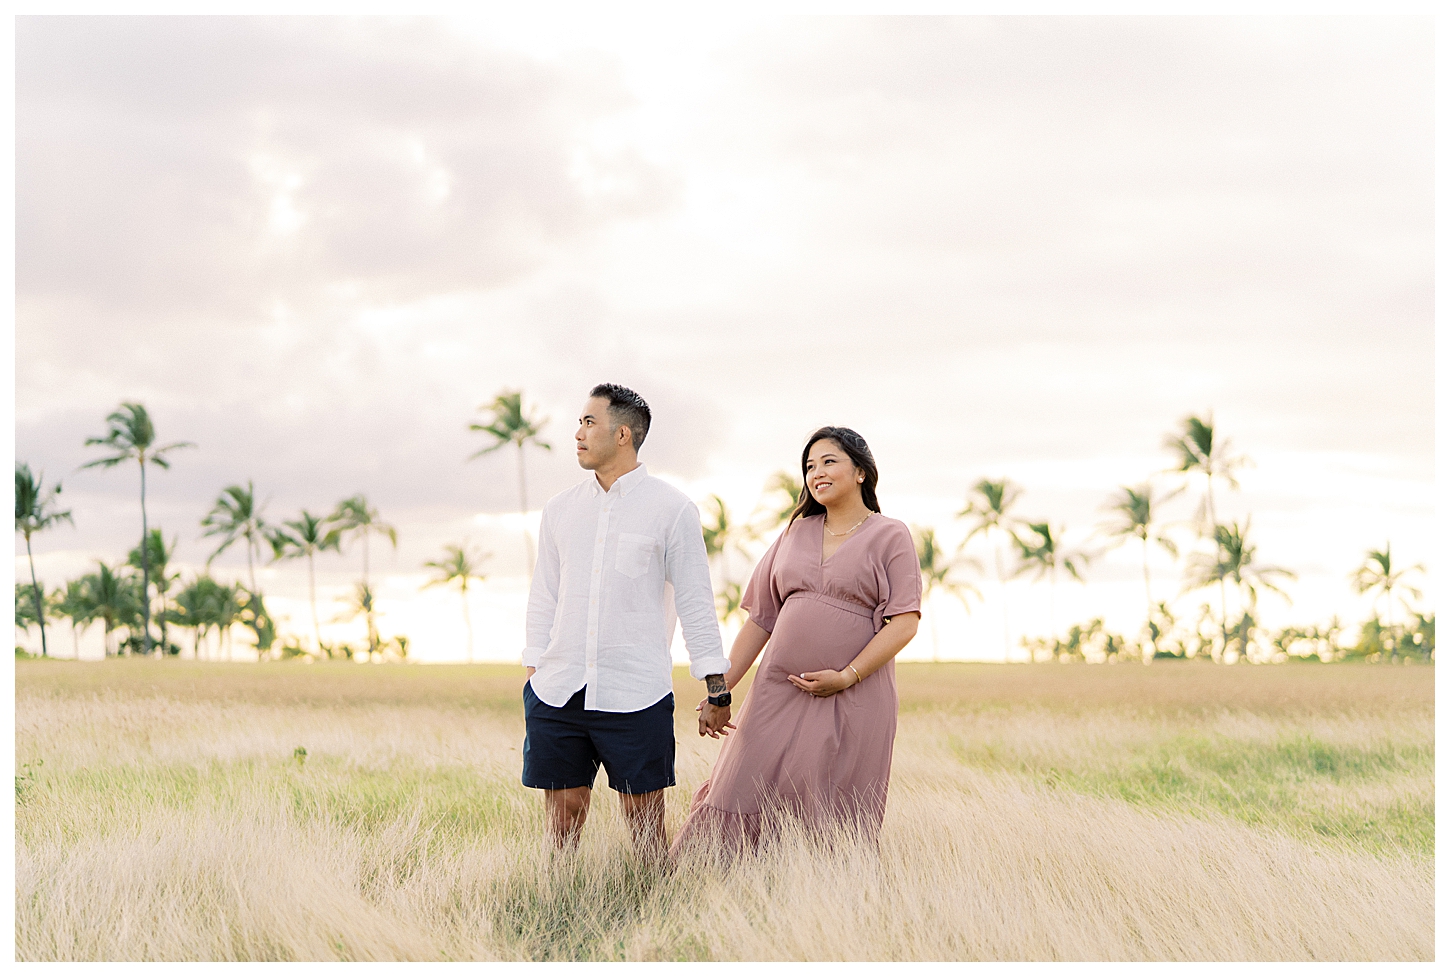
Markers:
156,823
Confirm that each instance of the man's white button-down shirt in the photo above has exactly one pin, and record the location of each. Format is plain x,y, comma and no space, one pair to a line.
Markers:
615,569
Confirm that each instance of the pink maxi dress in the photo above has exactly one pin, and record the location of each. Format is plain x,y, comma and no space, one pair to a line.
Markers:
819,759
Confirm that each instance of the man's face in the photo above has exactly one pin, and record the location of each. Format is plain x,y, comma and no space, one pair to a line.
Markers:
596,443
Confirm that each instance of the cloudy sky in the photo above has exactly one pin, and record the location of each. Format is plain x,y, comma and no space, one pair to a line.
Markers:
1021,247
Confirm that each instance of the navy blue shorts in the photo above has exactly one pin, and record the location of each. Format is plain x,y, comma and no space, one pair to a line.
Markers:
564,746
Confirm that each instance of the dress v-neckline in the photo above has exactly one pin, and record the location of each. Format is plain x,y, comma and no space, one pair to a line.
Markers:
822,551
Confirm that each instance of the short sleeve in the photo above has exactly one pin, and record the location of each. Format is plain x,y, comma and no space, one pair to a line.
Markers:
762,599
899,576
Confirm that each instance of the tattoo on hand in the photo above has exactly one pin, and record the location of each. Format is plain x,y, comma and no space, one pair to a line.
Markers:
716,684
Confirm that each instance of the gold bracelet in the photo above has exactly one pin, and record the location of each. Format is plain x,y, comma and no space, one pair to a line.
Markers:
858,674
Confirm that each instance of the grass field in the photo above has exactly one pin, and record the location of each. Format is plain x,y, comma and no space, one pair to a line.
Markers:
167,810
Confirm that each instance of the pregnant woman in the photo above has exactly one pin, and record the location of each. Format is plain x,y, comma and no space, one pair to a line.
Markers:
833,600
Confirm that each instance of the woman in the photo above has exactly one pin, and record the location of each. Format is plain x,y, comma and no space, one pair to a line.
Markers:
836,596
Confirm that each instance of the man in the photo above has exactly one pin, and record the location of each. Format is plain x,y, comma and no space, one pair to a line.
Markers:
619,555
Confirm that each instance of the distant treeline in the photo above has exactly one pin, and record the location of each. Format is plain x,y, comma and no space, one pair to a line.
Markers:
1214,558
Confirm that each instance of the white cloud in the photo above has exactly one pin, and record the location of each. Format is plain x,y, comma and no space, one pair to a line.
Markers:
1019,246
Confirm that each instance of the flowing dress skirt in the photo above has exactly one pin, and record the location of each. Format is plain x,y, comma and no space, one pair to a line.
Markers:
821,760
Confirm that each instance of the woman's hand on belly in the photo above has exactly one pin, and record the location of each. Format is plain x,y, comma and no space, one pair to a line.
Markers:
826,682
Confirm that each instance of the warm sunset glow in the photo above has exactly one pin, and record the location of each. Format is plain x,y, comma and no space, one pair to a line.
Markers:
997,247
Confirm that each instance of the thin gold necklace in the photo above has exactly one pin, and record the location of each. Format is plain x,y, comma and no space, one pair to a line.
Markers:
852,529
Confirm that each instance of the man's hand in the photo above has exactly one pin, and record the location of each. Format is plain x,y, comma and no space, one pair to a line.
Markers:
530,669
714,720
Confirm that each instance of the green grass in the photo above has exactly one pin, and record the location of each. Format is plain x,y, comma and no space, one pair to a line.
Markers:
1296,782
473,805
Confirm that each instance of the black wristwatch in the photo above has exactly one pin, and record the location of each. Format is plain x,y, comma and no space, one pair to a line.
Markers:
723,699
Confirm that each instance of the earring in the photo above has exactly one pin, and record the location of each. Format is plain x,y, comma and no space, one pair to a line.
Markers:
861,479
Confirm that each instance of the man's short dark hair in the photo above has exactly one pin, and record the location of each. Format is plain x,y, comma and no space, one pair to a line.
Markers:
626,408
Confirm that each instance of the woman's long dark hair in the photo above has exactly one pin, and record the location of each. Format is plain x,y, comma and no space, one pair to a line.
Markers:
855,446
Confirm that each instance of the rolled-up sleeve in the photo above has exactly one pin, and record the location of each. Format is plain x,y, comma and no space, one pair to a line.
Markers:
687,567
543,594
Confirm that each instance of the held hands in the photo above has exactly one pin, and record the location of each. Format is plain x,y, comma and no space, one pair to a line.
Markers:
823,683
714,720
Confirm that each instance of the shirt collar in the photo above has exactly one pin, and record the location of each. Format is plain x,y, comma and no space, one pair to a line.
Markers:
625,482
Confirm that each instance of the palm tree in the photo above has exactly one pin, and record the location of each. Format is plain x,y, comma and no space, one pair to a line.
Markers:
157,557
784,487
512,424
252,613
307,537
225,607
26,606
132,435
1135,508
235,516
716,527
111,598
204,604
1234,561
937,571
355,517
196,607
1201,452
1043,556
1378,573
460,565
719,534
399,645
361,601
989,504
728,603
35,512
722,535
71,603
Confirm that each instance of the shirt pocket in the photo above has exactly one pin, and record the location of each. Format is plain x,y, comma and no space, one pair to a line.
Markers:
634,553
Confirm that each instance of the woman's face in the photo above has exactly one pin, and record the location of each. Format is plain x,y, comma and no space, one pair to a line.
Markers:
830,476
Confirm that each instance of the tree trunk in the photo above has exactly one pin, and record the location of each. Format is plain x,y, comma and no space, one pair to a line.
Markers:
312,595
1002,589
251,574
1052,601
39,604
935,644
1222,588
1147,587
145,566
467,622
1223,611
524,512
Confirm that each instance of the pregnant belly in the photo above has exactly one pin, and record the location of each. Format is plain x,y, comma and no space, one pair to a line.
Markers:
812,633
